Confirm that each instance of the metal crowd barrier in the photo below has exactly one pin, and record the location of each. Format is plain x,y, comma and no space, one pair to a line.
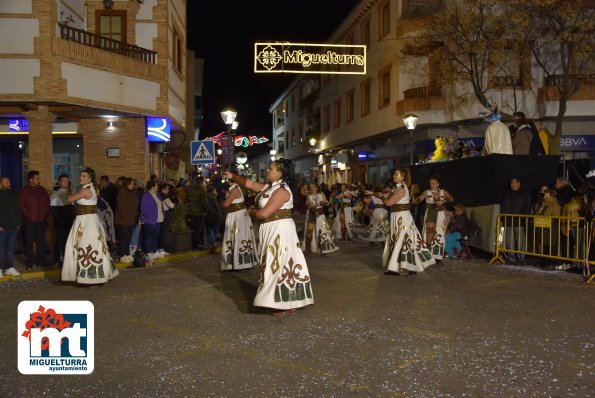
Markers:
567,239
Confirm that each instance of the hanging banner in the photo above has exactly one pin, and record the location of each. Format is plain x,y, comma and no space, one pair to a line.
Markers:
334,59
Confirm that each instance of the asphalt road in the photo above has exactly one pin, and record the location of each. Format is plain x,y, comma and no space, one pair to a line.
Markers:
461,329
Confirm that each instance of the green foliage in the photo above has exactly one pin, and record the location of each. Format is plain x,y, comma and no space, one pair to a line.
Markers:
179,222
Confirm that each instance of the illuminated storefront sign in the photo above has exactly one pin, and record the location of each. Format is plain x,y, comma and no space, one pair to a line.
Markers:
18,125
240,140
279,57
158,129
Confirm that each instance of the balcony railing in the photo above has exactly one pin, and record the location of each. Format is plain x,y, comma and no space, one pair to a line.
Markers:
421,92
578,80
90,39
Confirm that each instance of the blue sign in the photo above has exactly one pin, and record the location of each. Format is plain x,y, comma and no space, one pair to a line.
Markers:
575,142
202,152
158,129
362,156
18,125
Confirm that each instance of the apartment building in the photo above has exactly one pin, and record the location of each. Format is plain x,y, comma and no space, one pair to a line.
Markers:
98,83
357,120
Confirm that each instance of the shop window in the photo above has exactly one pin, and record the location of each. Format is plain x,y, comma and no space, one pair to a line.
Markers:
364,32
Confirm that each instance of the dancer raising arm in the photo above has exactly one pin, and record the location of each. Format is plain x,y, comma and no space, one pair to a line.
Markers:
284,283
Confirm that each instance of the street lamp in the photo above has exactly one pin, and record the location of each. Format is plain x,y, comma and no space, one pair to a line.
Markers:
410,121
229,116
312,141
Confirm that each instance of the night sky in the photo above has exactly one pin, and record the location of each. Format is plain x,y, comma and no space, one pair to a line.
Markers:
224,35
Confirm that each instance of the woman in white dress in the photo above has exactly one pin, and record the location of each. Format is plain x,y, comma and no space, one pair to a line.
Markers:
239,245
405,252
344,222
284,283
318,237
379,227
435,223
86,257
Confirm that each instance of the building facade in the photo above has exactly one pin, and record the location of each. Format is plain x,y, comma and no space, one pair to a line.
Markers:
357,120
91,83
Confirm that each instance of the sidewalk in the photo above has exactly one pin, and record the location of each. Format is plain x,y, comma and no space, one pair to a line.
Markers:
54,272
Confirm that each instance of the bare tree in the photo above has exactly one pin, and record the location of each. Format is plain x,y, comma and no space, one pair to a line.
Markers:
466,37
560,34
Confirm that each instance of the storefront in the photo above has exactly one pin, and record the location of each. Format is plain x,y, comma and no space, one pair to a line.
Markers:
67,152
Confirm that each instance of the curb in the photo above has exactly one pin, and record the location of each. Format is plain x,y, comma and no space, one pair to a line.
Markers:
54,273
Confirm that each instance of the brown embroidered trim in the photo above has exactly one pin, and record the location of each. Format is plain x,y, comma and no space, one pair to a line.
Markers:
400,207
85,209
235,207
278,215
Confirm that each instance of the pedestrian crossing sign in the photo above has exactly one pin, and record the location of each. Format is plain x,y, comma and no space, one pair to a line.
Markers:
202,152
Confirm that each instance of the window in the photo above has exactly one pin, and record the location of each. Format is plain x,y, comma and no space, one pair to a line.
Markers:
301,130
337,113
177,52
111,24
326,118
293,136
292,102
384,87
365,98
513,70
349,106
383,19
364,32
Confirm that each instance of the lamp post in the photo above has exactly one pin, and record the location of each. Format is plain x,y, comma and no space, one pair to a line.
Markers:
410,121
229,117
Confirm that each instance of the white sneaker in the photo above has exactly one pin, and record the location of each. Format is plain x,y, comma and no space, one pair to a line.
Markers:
12,271
162,252
126,259
153,256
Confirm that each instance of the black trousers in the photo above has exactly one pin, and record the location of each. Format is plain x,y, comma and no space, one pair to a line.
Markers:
198,231
63,219
125,237
34,232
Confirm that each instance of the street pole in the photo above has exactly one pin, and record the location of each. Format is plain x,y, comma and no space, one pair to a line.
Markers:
229,147
229,116
410,121
411,147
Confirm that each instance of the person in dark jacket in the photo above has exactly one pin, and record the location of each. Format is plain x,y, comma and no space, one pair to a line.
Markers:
198,205
10,223
108,191
151,217
64,215
126,217
515,202
564,190
35,205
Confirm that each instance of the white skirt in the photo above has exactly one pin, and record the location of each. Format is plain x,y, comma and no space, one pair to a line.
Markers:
378,229
322,238
437,244
86,257
405,249
284,278
349,223
239,246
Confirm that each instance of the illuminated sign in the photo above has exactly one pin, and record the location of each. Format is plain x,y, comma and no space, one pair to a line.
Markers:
283,57
158,129
240,140
18,125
